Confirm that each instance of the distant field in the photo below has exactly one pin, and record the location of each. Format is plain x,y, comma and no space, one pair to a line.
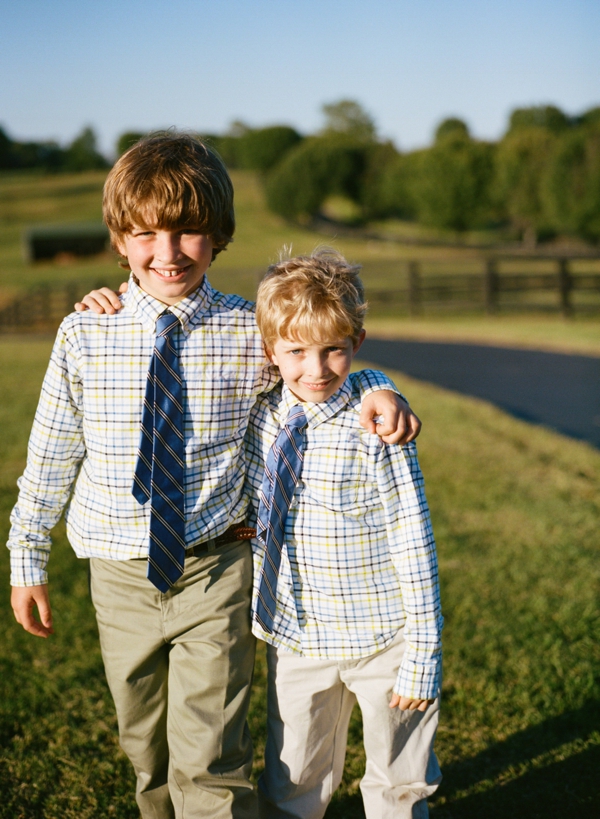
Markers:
30,199
515,511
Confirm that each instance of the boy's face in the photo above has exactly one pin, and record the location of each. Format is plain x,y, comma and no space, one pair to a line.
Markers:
313,372
168,264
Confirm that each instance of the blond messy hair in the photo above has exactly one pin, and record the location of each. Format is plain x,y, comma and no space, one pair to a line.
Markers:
314,299
170,180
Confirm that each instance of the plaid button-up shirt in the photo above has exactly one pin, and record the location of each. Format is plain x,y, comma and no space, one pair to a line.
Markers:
86,431
359,560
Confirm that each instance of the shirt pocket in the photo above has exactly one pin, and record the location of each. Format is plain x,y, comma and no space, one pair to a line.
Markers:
339,476
219,404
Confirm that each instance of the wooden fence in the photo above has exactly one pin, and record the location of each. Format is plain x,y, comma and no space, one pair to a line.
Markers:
41,308
494,289
502,284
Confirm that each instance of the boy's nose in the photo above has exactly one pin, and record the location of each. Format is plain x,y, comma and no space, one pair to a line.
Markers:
318,366
167,248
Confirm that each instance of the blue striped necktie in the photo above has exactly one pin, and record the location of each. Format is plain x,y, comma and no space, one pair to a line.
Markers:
159,472
282,472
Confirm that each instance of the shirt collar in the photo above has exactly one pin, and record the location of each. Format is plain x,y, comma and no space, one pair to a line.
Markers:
315,413
189,310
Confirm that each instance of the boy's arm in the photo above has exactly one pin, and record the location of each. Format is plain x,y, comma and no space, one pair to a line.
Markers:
412,549
55,451
385,411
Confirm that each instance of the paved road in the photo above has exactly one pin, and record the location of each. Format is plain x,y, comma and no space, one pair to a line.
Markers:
558,390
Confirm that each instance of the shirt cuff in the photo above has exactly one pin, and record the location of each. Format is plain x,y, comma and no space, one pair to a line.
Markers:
374,380
28,567
418,681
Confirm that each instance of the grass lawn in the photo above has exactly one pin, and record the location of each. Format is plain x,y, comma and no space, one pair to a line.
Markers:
515,510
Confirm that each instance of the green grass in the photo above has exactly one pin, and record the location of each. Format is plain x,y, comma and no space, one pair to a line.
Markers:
515,510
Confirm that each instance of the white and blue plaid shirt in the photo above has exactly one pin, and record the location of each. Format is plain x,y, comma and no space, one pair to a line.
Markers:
86,431
359,560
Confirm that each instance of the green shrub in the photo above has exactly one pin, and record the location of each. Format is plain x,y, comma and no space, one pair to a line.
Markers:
126,140
521,163
317,168
539,116
571,187
263,148
451,182
82,153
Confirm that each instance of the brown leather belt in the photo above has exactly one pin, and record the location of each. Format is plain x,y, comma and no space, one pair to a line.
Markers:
237,532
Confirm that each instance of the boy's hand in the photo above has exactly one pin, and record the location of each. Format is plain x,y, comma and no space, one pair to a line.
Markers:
101,301
399,424
408,703
23,600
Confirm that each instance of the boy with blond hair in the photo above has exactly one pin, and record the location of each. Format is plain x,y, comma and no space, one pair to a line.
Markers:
345,584
142,417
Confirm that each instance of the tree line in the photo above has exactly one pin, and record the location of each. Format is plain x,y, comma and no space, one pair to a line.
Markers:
540,179
81,154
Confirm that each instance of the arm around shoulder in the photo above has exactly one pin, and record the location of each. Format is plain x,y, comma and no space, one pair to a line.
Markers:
385,411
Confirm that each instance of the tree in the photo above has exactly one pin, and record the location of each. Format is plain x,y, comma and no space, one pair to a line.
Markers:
539,116
521,163
315,169
262,148
126,140
349,117
396,191
5,149
451,128
571,188
82,155
451,181
383,189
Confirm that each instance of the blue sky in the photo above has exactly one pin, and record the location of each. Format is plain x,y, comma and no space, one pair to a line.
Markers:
140,64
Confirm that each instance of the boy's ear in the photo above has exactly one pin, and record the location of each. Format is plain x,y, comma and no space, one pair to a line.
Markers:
359,341
119,246
268,353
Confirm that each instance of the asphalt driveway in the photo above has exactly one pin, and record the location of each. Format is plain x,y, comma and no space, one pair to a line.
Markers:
558,390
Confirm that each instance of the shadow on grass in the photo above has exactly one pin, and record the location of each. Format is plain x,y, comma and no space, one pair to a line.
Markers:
507,784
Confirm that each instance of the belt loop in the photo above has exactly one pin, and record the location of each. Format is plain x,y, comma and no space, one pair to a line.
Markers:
211,545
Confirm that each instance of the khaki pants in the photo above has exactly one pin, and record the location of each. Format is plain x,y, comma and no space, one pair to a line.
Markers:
179,666
309,707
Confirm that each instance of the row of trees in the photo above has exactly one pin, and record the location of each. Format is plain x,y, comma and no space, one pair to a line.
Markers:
542,177
80,155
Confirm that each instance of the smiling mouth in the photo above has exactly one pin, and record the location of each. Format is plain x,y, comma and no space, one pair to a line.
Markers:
169,274
321,385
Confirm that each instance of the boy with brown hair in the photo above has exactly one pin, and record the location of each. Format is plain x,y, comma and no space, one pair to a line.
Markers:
345,585
142,416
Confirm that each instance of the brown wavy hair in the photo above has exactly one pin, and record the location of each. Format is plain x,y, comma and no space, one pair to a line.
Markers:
170,180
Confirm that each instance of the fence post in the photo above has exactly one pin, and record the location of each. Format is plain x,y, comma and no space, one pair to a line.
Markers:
71,295
491,286
414,288
565,286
